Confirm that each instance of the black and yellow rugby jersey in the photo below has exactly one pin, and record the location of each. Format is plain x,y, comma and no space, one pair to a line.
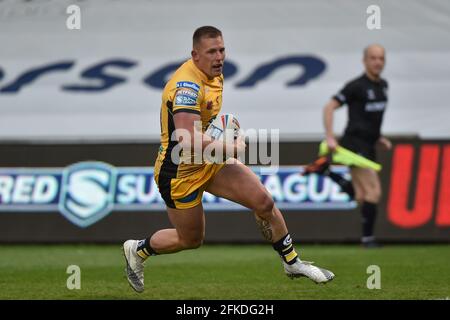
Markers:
189,90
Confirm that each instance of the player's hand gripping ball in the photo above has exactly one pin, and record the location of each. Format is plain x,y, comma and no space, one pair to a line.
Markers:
224,128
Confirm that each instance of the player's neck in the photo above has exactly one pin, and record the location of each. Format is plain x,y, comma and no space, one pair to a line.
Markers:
372,77
201,71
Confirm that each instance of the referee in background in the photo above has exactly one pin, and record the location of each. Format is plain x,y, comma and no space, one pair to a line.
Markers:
366,98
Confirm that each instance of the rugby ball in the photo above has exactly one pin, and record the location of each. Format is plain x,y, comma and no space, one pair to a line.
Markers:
224,127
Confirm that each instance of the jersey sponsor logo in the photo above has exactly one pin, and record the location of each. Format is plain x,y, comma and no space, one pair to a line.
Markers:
375,106
185,100
370,94
189,85
188,92
86,192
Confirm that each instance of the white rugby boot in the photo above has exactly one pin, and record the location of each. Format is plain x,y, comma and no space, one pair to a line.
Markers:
135,265
306,269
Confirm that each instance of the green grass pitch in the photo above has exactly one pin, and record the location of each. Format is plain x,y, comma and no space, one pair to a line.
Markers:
225,272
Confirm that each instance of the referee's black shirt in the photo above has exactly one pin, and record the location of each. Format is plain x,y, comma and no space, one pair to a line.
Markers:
366,100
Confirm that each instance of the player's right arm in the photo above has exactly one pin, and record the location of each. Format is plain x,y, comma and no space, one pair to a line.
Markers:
328,113
189,133
188,124
342,97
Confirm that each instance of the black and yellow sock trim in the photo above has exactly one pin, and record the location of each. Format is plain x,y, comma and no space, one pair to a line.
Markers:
144,250
285,249
289,254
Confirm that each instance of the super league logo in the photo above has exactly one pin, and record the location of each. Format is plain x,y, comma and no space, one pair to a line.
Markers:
87,192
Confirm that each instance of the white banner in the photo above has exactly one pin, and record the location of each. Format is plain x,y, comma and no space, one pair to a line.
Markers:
285,60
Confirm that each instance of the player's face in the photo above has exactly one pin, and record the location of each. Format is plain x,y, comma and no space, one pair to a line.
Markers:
209,56
374,61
